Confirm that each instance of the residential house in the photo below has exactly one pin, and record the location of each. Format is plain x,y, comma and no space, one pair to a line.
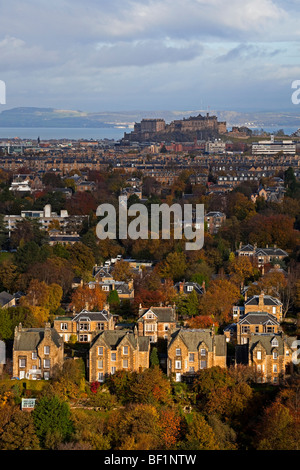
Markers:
116,350
36,352
155,322
7,300
84,325
190,350
270,355
186,287
262,256
214,220
256,322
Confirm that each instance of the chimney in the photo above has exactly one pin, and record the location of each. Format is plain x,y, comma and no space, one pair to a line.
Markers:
20,327
47,330
86,306
203,287
261,300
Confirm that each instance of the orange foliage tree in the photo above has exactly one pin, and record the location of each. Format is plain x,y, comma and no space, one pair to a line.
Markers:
84,297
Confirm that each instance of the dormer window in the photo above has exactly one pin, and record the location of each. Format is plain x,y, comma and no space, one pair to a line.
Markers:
275,343
150,316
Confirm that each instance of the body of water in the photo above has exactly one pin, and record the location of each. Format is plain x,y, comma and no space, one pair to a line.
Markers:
47,133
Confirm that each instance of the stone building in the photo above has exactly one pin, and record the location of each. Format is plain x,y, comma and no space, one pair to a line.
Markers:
259,303
36,351
270,355
155,322
256,322
111,351
84,325
190,350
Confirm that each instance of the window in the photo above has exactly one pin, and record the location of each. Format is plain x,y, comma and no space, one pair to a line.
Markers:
150,315
46,363
46,350
270,329
83,338
274,310
246,329
275,342
166,327
22,363
100,351
100,326
100,377
125,363
64,326
150,327
113,370
178,352
34,356
275,355
258,355
84,326
113,357
203,352
125,350
275,368
191,369
46,376
202,364
191,357
100,364
257,329
177,364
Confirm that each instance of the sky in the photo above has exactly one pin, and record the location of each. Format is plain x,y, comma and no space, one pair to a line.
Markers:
123,55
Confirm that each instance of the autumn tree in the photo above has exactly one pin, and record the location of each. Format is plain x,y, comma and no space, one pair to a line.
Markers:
219,299
85,297
173,267
122,271
19,433
199,435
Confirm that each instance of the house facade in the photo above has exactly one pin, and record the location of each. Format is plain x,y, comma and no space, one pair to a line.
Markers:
36,351
111,351
271,356
156,322
190,350
84,325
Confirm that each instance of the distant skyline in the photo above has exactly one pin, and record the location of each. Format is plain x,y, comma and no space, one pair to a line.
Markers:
150,54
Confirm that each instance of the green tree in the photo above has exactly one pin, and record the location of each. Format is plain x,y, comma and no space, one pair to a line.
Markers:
52,418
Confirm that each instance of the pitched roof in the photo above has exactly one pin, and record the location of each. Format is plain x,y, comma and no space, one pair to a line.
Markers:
193,338
5,297
267,300
258,318
113,338
265,340
104,315
28,339
163,314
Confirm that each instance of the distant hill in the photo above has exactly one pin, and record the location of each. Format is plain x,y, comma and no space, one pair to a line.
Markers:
60,118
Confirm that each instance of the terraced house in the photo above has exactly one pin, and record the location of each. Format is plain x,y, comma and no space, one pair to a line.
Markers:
36,351
190,350
84,325
111,351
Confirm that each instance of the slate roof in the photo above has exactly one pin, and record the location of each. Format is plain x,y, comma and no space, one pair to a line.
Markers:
104,315
258,318
193,338
195,286
163,314
29,338
267,299
5,297
114,337
265,339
